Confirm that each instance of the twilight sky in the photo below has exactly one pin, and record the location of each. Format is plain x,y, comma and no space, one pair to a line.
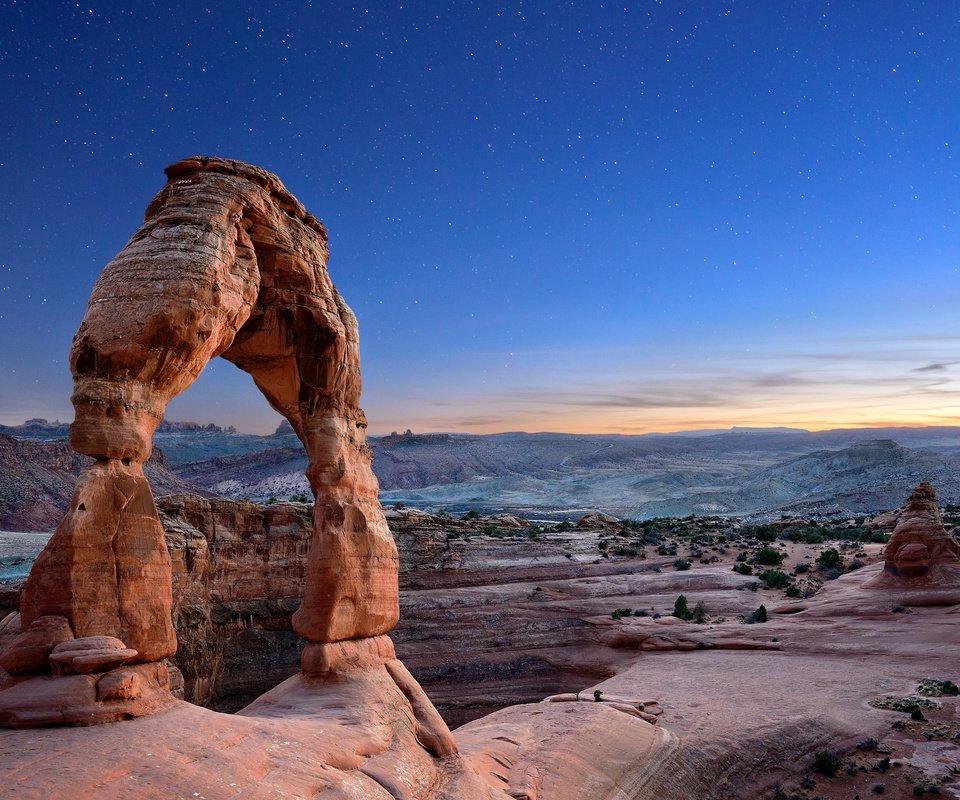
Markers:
556,216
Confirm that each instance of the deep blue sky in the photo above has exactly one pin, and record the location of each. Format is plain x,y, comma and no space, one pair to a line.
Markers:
546,215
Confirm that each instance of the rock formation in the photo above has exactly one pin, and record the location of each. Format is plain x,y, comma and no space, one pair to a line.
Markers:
226,263
920,550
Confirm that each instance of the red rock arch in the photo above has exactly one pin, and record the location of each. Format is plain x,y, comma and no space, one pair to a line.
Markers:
226,263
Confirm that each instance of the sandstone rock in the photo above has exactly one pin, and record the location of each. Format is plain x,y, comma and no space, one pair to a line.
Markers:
90,654
886,521
920,550
432,732
81,700
596,520
28,653
119,685
338,657
227,263
106,568
236,267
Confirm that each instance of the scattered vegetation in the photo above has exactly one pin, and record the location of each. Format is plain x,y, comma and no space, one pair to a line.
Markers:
699,613
768,557
826,762
930,687
775,579
907,705
680,608
830,559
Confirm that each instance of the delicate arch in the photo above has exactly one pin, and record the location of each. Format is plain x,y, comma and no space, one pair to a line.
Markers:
226,263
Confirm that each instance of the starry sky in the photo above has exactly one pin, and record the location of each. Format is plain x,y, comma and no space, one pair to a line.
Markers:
565,216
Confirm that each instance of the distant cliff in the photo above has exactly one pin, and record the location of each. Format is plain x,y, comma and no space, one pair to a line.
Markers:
37,479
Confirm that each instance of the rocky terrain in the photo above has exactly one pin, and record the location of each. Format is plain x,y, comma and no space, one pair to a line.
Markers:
757,473
37,480
497,612
698,657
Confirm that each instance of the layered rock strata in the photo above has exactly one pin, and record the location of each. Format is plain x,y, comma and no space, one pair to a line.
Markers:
226,263
920,551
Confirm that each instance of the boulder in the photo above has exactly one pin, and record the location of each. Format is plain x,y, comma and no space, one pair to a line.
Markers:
28,653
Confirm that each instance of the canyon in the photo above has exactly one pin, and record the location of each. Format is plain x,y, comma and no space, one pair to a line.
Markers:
760,473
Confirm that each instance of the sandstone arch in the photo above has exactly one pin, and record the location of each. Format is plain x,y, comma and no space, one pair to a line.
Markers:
226,263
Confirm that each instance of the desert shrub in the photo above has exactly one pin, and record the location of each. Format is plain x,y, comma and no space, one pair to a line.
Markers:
681,565
471,514
617,613
680,608
826,762
699,614
855,564
830,559
906,705
768,557
271,501
801,568
930,687
775,579
760,615
743,569
763,533
597,694
792,591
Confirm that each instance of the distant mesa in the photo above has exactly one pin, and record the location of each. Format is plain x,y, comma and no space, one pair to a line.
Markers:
192,427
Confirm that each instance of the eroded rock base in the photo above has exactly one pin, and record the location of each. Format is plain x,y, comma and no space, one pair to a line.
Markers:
85,699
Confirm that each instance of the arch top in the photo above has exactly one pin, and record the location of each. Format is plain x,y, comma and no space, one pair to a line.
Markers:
227,262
